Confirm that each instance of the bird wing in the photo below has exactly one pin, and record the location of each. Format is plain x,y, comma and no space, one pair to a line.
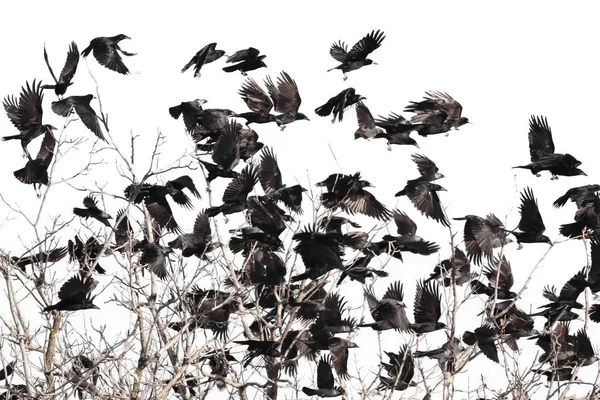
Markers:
107,55
48,64
540,138
225,151
364,202
202,232
269,173
71,63
242,55
184,181
371,300
199,58
159,209
123,231
75,289
89,202
324,374
425,166
88,116
29,113
447,104
289,100
583,345
427,307
11,107
156,260
46,149
531,219
364,116
240,186
427,201
339,51
255,98
339,355
365,46
574,287
501,272
404,224
62,107
395,292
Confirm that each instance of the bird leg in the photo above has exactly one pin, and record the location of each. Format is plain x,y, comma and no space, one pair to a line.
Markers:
538,175
520,247
554,178
244,73
389,146
345,77
282,127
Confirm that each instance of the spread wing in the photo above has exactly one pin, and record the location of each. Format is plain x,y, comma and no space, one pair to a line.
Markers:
339,51
365,46
255,98
71,63
289,100
540,138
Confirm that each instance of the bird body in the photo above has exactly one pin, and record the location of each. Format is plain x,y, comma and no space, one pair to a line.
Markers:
356,58
106,51
67,73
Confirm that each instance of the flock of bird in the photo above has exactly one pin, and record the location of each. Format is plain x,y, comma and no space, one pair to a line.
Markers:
321,316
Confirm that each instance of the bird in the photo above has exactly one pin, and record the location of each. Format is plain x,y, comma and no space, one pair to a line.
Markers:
400,368
106,51
427,309
338,103
356,58
205,55
124,234
271,181
35,172
485,337
320,253
325,382
286,99
26,116
500,280
446,355
75,294
51,256
367,129
580,195
542,153
68,72
439,112
236,193
423,195
191,111
247,60
199,242
155,256
266,348
459,266
390,311
86,254
531,225
358,270
80,105
91,210
482,236
397,130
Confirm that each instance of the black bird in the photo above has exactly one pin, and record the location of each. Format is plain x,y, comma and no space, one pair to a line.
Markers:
42,257
320,253
423,195
191,110
514,322
587,218
427,168
199,242
459,265
67,73
80,105
580,195
124,235
106,52
485,336
247,60
338,103
397,130
439,112
86,254
367,128
272,183
561,304
7,370
286,99
257,348
500,280
219,360
390,311
236,193
330,319
155,256
564,350
293,347
259,103
543,157
400,368
75,295
35,172
359,271
531,225
356,58
446,355
408,239
347,193
26,116
91,210
482,236
338,348
427,309
325,382
205,55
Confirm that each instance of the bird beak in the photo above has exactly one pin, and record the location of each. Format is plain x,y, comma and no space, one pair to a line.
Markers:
583,173
202,101
52,128
126,37
362,98
417,145
374,63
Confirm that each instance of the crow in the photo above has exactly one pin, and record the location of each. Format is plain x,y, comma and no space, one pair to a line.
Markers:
191,111
367,128
423,195
531,225
91,210
81,105
75,294
579,195
408,240
446,355
26,116
397,130
35,172
247,60
86,254
338,103
400,368
390,311
427,309
358,270
330,319
199,242
439,111
459,265
320,253
286,99
124,235
51,256
106,52
482,236
236,193
543,156
356,58
265,348
485,337
67,73
325,382
271,181
205,55
500,280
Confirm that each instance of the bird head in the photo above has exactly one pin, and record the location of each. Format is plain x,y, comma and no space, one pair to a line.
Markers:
463,120
121,37
437,175
440,325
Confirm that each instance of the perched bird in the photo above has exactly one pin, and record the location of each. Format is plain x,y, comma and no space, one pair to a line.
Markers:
356,58
338,103
423,195
41,257
482,236
367,128
106,52
400,368
397,130
80,105
35,172
390,311
26,116
543,157
205,55
91,210
531,225
67,73
439,112
459,266
271,181
325,382
75,294
247,60
580,195
427,309
500,280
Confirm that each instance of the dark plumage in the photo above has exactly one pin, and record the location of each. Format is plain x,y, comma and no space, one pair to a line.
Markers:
338,103
400,368
459,266
67,73
408,240
124,235
191,110
423,195
265,348
236,193
86,254
325,382
482,236
106,52
155,257
91,210
366,123
439,112
359,271
427,309
485,337
26,116
80,105
205,55
35,172
561,304
286,99
500,280
320,253
397,130
543,157
199,242
580,195
390,311
356,58
272,182
40,257
531,225
247,60
75,294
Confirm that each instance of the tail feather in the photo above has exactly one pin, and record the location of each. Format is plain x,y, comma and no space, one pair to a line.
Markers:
469,338
231,68
175,111
13,137
81,212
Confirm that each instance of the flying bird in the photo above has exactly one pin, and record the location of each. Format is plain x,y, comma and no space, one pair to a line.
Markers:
106,52
397,130
580,195
41,257
390,311
80,105
236,193
271,181
482,236
356,58
500,280
543,156
91,210
325,382
247,60
205,55
400,368
338,103
26,116
439,112
367,129
423,195
459,266
191,111
286,99
199,242
75,294
427,309
67,73
531,225
35,171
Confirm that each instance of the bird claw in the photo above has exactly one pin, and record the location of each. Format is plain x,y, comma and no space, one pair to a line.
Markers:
389,148
226,220
538,175
520,247
345,78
